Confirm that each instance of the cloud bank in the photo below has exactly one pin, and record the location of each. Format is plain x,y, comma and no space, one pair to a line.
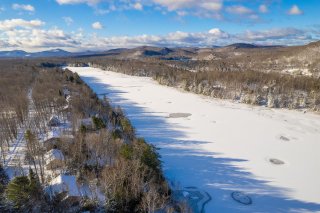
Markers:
30,35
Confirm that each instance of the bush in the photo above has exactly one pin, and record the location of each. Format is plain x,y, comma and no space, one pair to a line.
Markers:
149,156
116,134
98,123
126,151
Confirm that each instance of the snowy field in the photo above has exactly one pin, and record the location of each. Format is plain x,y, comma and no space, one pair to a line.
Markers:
221,147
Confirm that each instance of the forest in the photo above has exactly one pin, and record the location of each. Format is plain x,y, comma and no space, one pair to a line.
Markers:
271,89
64,149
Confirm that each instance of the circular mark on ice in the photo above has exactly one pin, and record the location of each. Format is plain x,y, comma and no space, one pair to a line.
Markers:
179,115
276,161
241,198
284,138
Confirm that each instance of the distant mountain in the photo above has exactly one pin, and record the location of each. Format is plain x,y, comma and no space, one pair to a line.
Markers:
242,45
52,53
47,53
13,54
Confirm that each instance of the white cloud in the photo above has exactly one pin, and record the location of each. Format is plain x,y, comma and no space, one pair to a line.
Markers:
210,5
201,8
68,20
138,6
273,34
31,37
97,25
295,10
263,8
14,23
239,10
26,7
89,2
182,13
218,33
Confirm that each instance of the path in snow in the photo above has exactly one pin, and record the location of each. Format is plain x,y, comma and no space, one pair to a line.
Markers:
17,149
222,147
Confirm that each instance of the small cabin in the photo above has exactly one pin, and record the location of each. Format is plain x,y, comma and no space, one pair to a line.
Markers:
65,188
54,159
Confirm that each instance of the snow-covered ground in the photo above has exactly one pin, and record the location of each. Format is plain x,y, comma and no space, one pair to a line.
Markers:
221,147
15,163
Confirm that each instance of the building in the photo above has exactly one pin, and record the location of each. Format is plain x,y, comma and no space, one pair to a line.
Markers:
54,159
50,139
65,188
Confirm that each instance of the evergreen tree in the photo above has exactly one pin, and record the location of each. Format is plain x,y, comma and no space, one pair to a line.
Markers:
18,192
35,186
3,183
25,192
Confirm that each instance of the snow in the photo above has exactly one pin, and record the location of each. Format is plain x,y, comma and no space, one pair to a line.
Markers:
298,71
64,183
15,164
223,147
54,154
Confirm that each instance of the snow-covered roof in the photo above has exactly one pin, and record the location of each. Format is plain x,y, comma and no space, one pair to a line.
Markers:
64,183
54,133
53,154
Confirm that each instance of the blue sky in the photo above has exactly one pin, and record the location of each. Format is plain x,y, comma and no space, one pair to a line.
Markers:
104,24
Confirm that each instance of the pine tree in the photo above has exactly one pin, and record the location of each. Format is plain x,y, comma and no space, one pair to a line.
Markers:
18,192
35,186
25,192
3,183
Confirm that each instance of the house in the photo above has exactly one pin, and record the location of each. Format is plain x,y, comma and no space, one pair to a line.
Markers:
54,121
54,159
50,139
65,188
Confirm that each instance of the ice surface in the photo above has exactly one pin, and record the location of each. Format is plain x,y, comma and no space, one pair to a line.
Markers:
223,147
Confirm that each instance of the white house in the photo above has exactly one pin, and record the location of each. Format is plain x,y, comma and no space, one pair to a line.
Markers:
64,187
54,159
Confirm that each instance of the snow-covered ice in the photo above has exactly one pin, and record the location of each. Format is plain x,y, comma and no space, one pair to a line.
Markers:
223,147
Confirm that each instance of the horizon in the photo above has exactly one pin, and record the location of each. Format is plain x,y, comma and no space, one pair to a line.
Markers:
35,26
143,46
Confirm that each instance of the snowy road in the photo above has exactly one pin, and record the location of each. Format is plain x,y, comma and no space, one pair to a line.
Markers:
222,147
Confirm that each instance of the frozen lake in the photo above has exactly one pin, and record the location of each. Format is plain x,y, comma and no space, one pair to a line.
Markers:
221,147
